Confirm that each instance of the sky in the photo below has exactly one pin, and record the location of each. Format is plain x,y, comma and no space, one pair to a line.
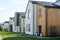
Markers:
9,7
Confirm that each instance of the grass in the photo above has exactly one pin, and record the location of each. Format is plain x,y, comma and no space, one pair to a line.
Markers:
7,34
17,36
30,38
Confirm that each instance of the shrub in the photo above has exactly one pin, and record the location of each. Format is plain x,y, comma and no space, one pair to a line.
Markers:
5,30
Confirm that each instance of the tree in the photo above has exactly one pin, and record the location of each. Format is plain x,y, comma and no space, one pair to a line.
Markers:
0,28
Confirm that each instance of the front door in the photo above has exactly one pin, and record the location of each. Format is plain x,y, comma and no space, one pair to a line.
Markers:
10,28
39,30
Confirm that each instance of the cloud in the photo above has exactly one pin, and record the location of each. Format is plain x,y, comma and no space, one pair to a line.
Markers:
6,5
17,1
2,8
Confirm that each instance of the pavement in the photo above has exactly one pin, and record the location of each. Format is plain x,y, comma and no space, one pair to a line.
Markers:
1,38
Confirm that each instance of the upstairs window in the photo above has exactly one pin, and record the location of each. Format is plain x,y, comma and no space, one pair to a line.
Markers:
28,13
17,20
40,13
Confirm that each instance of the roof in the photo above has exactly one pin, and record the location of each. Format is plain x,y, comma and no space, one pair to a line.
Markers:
57,0
11,18
46,4
6,22
22,14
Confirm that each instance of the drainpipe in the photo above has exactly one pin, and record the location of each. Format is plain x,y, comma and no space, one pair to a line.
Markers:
46,20
33,19
20,23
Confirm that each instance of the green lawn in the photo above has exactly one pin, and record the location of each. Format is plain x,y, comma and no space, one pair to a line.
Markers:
7,34
30,38
17,36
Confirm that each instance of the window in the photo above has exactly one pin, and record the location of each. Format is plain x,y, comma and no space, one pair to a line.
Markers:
17,21
28,27
40,13
28,13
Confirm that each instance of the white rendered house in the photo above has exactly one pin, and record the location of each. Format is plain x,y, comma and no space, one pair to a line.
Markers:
5,25
18,22
11,24
22,19
30,21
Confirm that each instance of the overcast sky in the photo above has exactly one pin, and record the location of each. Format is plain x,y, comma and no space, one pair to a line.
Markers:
9,7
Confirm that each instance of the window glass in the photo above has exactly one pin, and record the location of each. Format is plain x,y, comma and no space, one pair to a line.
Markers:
28,27
28,13
40,13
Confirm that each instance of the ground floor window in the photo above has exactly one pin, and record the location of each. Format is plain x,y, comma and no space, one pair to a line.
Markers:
28,27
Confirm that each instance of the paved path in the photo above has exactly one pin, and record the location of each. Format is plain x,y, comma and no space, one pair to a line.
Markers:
1,38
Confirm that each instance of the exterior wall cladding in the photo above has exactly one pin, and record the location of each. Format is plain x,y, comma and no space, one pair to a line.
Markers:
22,25
11,25
50,21
16,23
30,20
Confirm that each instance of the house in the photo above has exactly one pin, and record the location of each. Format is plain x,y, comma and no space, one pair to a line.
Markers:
18,18
22,20
30,20
43,18
16,22
11,24
5,25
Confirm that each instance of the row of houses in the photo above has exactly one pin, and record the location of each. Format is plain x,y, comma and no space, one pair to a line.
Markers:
16,23
41,19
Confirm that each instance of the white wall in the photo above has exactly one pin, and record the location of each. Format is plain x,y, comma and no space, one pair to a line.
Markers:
22,25
11,22
34,19
16,29
29,21
6,25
